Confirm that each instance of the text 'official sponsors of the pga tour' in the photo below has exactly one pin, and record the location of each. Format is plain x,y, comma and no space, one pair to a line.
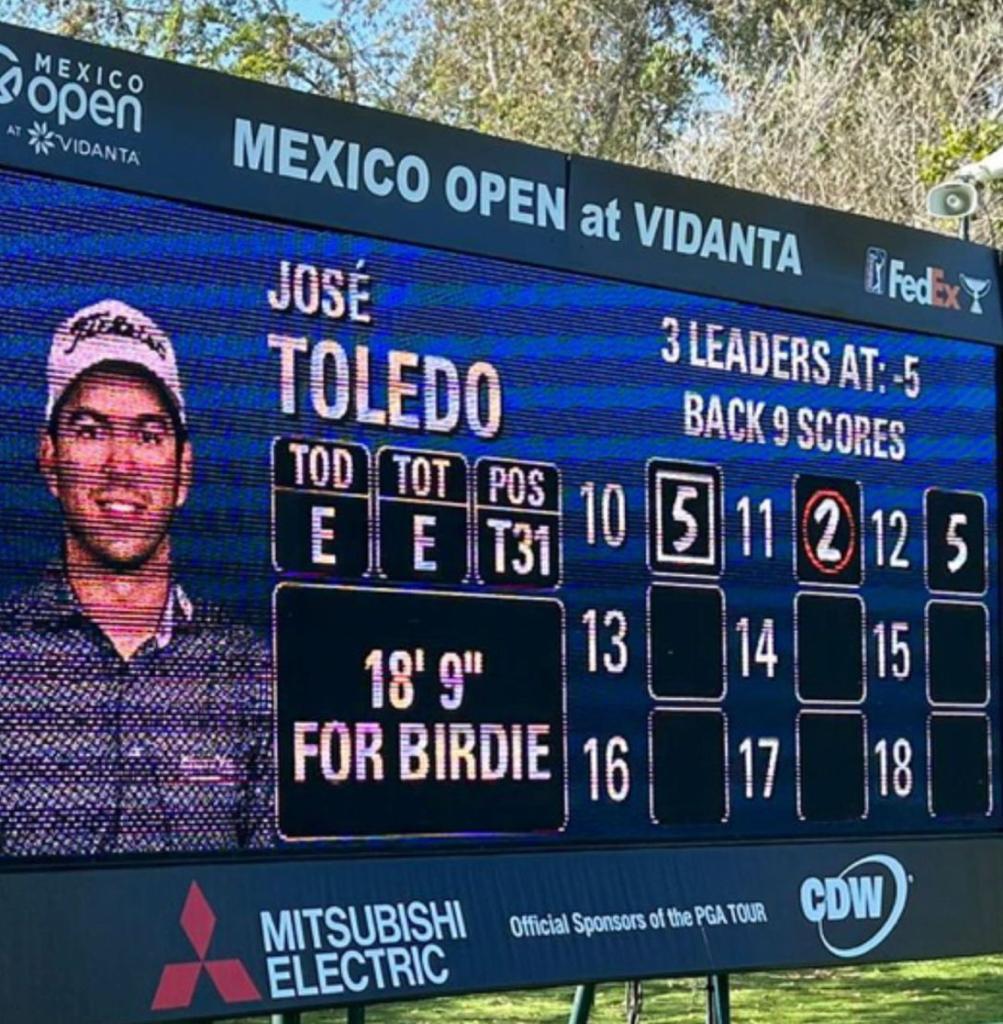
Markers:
64,98
890,277
859,908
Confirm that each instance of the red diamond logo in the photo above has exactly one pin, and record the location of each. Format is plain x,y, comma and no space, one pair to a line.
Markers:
178,981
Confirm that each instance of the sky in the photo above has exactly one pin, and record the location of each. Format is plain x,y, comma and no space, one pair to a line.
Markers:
313,9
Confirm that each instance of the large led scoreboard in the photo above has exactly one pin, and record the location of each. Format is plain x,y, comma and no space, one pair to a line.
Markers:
573,572
680,625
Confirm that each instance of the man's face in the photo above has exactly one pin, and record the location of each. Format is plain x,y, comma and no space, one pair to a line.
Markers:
117,467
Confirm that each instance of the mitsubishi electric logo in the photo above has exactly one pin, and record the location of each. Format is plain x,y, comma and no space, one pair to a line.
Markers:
11,77
884,275
859,908
177,981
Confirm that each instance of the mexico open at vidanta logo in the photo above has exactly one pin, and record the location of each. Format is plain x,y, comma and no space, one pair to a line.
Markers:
69,106
858,909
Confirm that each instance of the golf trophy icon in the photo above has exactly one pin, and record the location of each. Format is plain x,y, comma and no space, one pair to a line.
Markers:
977,288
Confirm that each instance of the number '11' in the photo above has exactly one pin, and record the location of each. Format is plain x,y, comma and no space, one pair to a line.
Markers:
765,509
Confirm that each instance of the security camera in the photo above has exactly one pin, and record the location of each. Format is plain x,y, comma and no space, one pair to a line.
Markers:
959,196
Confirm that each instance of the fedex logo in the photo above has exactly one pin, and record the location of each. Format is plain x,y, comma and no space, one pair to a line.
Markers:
884,275
930,289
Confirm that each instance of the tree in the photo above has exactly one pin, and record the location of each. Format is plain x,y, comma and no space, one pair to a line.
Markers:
854,104
863,119
351,55
603,78
758,34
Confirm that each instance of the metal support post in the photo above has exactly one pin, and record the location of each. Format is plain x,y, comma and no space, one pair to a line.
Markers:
292,1017
718,999
633,1001
356,1014
582,1006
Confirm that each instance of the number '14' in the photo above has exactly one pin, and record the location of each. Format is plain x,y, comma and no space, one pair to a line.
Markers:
764,654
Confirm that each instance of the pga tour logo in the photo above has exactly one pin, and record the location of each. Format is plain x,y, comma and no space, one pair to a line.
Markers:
858,909
888,276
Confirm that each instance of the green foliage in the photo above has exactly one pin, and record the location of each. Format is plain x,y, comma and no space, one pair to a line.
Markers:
935,992
588,76
762,34
612,79
957,145
854,104
351,55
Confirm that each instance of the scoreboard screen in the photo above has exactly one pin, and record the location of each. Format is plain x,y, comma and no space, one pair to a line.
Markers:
531,557
432,564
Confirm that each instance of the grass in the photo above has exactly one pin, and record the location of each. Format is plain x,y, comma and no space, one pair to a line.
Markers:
933,992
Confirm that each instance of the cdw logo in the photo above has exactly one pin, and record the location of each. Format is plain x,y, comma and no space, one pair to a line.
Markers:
834,899
857,909
177,981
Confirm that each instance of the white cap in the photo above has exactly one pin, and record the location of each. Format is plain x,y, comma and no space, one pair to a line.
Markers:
110,331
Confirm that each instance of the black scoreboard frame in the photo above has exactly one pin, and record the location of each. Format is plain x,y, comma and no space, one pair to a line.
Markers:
118,942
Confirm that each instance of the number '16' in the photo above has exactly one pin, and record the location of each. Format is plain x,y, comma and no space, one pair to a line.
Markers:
609,772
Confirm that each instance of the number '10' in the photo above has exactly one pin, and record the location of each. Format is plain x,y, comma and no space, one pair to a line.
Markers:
611,505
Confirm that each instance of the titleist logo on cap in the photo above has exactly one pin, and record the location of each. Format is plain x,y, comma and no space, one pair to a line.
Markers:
110,331
98,324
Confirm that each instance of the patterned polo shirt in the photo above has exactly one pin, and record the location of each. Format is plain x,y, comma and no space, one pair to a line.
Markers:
167,752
